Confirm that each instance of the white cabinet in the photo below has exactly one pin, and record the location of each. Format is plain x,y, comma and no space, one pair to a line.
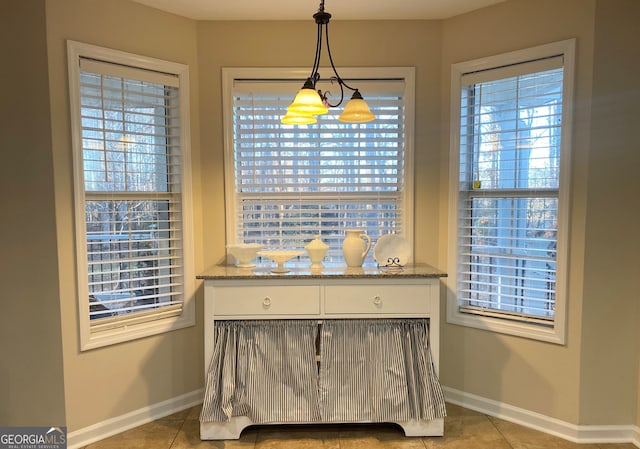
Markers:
231,294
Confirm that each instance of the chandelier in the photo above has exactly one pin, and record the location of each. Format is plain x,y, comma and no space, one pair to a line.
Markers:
310,102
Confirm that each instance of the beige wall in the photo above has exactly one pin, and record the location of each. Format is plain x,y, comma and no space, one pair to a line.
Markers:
108,382
31,373
566,382
610,344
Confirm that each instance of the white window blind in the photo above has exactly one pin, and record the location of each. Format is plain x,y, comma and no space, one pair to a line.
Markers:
131,157
293,182
131,205
509,179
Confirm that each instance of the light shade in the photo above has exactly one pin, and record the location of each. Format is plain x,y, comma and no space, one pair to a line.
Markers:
295,118
307,101
356,111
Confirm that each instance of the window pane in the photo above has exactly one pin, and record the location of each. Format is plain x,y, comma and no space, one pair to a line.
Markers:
509,261
129,250
131,164
508,205
510,133
294,182
126,134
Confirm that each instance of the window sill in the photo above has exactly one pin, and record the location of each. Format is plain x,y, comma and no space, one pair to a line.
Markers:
554,334
98,339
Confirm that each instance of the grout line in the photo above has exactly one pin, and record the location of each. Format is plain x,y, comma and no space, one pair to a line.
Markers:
178,432
499,431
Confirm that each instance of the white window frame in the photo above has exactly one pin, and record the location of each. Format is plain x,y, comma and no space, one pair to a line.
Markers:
161,320
229,74
557,332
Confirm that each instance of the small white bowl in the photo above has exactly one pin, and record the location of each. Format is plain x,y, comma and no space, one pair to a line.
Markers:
280,256
244,253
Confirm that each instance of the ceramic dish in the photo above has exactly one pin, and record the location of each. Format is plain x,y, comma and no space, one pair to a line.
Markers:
244,253
280,256
392,250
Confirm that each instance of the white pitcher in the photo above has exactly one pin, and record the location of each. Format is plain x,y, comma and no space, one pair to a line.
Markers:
355,247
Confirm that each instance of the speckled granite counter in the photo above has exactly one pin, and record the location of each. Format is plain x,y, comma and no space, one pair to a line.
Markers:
303,271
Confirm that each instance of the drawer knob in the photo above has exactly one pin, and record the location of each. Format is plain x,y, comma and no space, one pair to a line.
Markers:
266,302
377,300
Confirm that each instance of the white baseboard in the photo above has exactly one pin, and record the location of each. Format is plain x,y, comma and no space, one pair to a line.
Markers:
95,432
572,432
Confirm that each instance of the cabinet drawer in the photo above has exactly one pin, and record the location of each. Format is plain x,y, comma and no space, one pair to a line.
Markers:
378,299
266,300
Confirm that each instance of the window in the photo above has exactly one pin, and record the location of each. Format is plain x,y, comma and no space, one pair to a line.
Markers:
509,190
286,183
132,191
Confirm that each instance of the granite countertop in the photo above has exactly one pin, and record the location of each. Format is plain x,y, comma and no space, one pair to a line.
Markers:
304,271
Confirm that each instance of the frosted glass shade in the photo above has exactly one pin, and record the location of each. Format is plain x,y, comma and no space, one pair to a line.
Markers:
295,118
307,101
356,111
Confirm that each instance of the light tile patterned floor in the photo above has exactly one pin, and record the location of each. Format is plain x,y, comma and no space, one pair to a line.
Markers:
464,429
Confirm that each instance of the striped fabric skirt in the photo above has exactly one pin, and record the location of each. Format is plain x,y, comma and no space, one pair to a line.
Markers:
369,370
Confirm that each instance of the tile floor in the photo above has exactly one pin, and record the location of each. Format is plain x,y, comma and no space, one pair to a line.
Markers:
464,429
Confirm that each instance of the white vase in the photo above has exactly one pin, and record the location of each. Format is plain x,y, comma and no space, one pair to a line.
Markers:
355,247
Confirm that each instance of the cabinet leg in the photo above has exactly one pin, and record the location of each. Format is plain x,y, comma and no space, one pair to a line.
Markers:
414,428
229,430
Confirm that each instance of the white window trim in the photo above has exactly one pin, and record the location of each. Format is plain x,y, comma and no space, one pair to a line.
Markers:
557,333
94,339
229,74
